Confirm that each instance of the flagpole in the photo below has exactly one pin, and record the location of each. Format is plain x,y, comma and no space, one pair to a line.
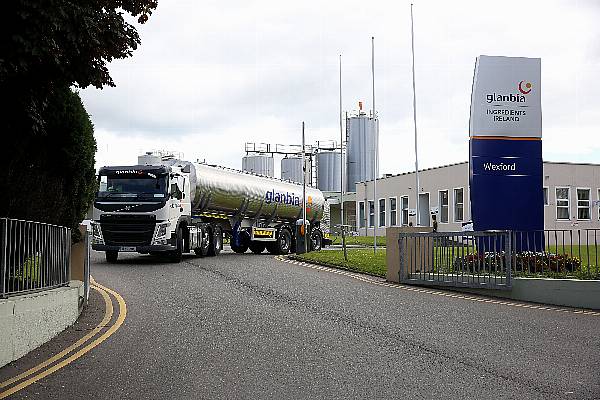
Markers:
417,188
304,232
375,144
342,171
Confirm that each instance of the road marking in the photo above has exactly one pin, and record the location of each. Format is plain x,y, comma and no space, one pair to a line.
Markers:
94,343
434,292
107,317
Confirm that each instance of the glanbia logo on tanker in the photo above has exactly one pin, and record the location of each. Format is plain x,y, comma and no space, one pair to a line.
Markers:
283,198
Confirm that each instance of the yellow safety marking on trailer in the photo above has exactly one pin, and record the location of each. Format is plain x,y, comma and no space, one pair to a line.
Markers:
365,278
90,346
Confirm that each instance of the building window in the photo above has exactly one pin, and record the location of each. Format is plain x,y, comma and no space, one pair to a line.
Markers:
443,205
371,214
546,202
381,212
458,205
361,214
404,208
583,204
562,203
392,211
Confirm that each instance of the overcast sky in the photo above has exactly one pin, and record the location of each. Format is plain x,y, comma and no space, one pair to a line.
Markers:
212,75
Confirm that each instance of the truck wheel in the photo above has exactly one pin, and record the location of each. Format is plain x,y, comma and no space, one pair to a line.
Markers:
316,241
216,242
283,243
257,247
204,248
111,256
176,255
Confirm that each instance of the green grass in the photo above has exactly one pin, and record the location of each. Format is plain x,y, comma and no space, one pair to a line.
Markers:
359,240
359,260
587,254
363,260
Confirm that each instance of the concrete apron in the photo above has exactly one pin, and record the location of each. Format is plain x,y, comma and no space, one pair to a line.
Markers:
30,320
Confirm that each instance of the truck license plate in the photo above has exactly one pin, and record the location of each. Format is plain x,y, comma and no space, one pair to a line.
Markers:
125,248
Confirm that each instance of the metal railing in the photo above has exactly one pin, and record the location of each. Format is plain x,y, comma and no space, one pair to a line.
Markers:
557,253
491,259
461,259
33,256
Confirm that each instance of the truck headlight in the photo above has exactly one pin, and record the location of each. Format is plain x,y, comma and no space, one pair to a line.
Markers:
97,234
160,234
161,230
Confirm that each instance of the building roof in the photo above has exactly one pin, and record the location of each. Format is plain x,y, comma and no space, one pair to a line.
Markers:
466,162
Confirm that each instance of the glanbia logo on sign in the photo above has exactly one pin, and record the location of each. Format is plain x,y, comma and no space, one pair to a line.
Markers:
527,86
506,97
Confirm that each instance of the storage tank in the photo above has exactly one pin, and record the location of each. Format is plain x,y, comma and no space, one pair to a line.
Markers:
291,169
259,165
222,190
149,158
328,171
360,152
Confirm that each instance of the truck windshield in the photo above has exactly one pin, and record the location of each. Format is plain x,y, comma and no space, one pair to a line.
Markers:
112,186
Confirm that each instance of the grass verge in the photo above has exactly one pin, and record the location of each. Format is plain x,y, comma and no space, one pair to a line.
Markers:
359,260
359,240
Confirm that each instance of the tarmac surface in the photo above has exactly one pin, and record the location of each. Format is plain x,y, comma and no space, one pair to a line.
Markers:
254,327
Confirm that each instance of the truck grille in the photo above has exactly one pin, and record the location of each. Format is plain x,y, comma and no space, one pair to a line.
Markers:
127,230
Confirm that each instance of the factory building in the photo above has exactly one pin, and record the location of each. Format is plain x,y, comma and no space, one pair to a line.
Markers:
571,198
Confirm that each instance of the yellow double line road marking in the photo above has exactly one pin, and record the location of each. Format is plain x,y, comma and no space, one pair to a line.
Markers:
33,375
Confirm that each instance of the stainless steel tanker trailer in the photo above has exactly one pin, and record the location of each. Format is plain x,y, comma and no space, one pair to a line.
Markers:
174,207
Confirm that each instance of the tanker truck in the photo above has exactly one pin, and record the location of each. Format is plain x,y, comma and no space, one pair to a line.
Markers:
171,207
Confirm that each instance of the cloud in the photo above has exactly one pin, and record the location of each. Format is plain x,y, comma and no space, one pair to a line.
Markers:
210,76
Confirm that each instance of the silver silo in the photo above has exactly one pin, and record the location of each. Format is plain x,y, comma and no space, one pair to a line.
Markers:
259,165
149,158
328,171
291,169
360,150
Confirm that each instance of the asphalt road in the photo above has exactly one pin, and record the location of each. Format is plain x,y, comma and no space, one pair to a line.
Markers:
253,327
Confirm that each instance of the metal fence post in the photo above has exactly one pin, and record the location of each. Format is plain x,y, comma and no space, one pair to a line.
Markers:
69,245
509,257
86,267
4,256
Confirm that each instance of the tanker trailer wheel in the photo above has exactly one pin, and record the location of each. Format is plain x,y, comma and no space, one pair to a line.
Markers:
204,248
316,240
283,243
176,255
257,247
244,243
216,242
111,256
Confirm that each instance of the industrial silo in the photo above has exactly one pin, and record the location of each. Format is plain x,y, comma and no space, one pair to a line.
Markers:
360,150
149,158
259,165
291,169
329,171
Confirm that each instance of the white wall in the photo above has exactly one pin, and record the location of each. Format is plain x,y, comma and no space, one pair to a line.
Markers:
572,176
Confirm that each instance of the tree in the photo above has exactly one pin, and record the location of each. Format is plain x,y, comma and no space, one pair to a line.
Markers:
55,182
55,43
47,47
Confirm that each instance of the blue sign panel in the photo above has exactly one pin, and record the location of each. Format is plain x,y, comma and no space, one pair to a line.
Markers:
506,180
